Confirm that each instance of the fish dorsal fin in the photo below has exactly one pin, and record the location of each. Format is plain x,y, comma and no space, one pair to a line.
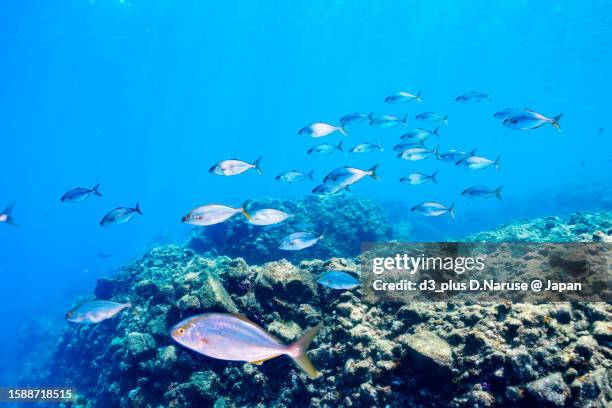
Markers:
247,320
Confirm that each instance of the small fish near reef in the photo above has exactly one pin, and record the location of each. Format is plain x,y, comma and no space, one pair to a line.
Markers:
324,148
268,216
432,117
338,280
477,162
95,311
320,129
433,209
346,176
528,119
5,215
233,167
354,117
295,176
80,194
419,178
212,214
233,337
473,97
298,241
403,97
120,215
482,192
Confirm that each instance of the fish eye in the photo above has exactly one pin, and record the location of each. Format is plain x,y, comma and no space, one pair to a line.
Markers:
181,330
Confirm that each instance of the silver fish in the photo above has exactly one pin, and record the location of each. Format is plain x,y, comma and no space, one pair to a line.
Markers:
400,147
233,337
403,97
419,178
432,117
338,280
453,156
295,176
477,162
298,241
473,97
80,194
417,153
95,311
325,148
482,192
233,167
432,209
268,216
387,121
504,113
348,175
419,135
329,188
367,148
528,119
5,215
320,129
354,117
214,214
120,215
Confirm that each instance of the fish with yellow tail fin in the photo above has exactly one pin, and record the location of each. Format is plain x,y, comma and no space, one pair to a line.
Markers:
235,338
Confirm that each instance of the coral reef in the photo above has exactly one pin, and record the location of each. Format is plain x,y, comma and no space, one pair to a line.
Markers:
345,220
454,354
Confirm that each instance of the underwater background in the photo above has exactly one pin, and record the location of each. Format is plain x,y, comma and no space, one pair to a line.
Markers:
144,97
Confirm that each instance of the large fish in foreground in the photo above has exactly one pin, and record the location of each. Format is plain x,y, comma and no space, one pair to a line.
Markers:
80,194
120,215
95,311
5,215
233,167
213,214
235,338
528,119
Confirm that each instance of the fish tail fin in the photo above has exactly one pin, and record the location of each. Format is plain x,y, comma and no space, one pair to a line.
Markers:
243,210
445,119
339,147
342,130
405,118
497,162
96,191
257,165
137,208
433,177
380,146
371,116
555,121
435,131
297,351
498,192
473,152
372,172
418,97
451,211
127,305
436,151
9,209
311,174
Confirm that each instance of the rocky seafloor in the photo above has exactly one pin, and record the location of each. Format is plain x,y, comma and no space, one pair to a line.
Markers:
454,354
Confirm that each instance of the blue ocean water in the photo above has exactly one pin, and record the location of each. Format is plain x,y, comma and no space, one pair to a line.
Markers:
144,96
